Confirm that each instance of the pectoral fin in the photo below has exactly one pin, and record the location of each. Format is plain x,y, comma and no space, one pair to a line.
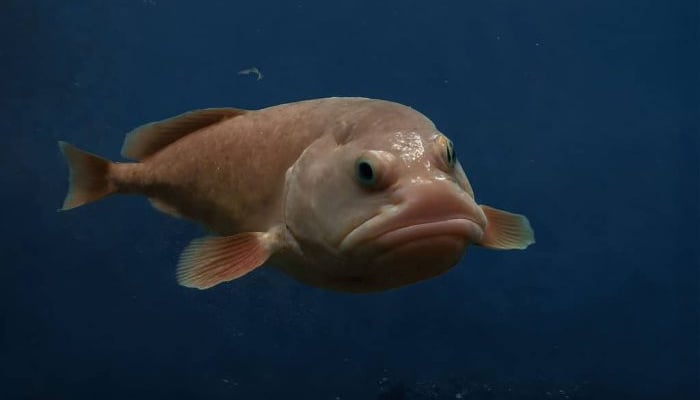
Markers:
506,230
208,261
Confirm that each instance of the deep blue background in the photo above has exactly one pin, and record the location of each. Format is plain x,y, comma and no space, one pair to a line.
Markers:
582,115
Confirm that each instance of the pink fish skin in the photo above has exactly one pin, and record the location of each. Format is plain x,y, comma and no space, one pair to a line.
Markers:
349,194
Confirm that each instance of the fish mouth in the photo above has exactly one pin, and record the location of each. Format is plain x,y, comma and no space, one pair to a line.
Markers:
457,227
417,212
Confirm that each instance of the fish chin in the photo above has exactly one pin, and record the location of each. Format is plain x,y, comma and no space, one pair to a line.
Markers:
419,258
412,256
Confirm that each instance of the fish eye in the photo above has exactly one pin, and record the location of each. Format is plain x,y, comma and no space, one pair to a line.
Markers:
365,172
375,169
450,154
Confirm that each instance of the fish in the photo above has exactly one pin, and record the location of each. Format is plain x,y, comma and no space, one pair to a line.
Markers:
348,194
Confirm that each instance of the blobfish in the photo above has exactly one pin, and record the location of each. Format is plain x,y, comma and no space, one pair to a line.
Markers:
343,193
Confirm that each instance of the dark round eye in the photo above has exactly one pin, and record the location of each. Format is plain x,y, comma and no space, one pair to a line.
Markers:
450,155
364,172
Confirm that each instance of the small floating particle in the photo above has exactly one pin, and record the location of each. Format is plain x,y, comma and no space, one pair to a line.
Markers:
251,70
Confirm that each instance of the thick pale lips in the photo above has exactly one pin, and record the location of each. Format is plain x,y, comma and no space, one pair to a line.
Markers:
455,226
419,211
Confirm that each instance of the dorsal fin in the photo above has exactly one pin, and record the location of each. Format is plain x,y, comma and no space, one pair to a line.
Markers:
150,138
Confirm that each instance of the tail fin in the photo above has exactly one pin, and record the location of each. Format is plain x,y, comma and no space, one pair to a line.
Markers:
88,177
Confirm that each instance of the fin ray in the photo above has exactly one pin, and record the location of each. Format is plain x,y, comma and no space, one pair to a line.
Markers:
506,230
208,261
148,139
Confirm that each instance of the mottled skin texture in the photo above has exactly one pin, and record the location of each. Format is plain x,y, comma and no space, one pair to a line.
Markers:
290,169
230,176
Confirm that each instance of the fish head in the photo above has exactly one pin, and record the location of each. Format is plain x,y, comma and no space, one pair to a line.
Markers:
382,211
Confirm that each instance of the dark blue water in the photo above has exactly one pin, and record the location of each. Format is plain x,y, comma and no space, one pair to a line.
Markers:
582,115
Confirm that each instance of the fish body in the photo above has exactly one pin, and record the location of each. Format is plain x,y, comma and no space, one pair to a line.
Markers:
350,194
